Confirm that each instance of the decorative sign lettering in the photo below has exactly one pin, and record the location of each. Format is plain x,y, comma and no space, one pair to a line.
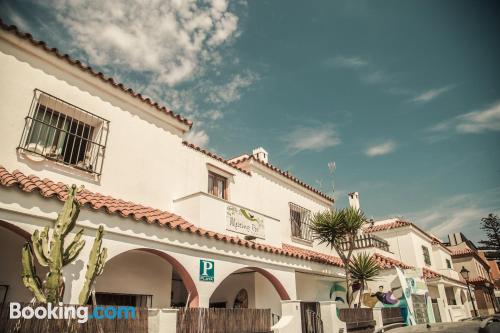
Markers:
207,270
244,222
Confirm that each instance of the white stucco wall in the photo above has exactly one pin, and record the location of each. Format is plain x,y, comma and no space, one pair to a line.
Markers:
140,273
11,267
155,168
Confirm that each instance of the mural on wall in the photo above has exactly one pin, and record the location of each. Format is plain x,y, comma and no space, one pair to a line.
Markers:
382,298
337,292
241,300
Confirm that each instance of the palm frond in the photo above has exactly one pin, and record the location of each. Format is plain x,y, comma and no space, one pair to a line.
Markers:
364,268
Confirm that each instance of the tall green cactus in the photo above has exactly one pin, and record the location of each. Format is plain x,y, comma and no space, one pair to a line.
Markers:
50,252
95,266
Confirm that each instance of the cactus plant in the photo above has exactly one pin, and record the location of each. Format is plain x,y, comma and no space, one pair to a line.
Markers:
95,266
50,252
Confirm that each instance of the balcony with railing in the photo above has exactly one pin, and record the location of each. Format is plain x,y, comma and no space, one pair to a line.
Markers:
366,241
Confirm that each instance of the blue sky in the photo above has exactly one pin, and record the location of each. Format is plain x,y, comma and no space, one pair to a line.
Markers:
404,96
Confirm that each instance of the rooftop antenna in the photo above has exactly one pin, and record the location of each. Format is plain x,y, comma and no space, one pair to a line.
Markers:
332,167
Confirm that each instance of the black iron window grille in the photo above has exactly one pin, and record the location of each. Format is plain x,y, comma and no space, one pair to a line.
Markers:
65,133
427,256
300,222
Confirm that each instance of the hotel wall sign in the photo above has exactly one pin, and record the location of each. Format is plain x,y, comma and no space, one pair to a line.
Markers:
244,222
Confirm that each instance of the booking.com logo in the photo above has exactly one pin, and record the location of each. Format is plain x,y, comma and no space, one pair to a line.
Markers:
81,313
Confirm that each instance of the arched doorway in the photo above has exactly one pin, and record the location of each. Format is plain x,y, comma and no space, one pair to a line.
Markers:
12,240
250,287
145,278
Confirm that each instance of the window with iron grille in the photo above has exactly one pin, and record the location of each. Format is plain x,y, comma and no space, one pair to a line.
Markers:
448,263
62,132
299,220
427,256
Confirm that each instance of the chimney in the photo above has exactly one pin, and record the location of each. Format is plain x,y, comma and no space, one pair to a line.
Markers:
354,200
260,154
455,238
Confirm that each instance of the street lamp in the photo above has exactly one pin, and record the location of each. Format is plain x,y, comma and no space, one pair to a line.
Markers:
465,274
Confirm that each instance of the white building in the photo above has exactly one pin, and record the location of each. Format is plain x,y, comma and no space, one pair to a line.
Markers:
407,243
169,208
183,225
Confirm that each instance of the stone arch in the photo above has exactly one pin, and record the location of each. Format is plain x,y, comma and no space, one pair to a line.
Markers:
12,240
15,229
274,281
184,275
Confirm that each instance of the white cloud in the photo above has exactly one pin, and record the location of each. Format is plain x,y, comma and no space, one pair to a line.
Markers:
231,91
375,77
461,213
383,148
346,62
473,122
197,137
16,19
311,138
170,40
429,95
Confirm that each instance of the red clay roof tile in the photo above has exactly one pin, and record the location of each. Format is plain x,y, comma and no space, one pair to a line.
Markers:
239,161
49,189
77,63
386,262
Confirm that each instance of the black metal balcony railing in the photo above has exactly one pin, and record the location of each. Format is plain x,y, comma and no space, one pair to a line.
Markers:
367,241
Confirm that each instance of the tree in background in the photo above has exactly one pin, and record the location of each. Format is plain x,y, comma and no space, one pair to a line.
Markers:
338,229
491,225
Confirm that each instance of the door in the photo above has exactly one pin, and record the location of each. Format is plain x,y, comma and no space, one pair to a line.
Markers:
311,317
420,309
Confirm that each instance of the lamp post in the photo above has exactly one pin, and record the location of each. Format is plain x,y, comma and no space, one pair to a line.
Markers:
465,274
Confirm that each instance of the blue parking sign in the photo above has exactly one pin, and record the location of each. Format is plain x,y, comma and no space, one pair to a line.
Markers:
207,270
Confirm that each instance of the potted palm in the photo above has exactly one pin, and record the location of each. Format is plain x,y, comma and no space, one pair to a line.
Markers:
363,269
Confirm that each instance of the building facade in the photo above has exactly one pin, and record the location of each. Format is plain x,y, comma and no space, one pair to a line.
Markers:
466,255
183,226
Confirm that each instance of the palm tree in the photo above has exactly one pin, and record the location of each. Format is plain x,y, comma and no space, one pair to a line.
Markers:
363,269
338,229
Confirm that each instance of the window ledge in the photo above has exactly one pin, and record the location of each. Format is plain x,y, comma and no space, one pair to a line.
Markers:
302,241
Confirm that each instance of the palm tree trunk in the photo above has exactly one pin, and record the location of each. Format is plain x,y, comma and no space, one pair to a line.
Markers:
361,291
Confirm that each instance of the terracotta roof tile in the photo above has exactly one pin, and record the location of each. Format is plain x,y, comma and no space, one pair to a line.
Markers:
387,226
386,262
462,252
214,156
49,189
77,63
400,224
313,255
285,174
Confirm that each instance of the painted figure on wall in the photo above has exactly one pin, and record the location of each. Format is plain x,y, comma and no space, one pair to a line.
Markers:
337,292
381,298
241,300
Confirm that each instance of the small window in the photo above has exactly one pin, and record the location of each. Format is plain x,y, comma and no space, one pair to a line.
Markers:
427,257
64,133
217,185
448,263
299,220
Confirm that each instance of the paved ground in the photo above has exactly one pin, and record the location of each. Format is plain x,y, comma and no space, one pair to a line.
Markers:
461,327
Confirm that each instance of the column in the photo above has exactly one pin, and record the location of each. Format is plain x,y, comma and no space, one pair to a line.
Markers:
291,321
331,322
442,302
